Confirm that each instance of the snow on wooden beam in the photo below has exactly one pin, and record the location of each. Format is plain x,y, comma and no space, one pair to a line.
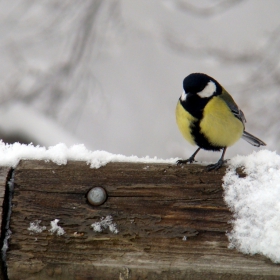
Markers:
159,221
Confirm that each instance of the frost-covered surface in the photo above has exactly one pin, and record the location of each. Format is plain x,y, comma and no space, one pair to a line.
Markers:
105,223
11,154
35,227
55,228
255,202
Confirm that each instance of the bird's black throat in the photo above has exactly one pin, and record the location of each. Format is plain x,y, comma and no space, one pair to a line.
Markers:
195,105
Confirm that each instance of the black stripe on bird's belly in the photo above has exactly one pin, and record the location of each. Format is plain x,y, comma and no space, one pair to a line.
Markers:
201,140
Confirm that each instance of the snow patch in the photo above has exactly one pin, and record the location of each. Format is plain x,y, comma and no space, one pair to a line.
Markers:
55,228
255,203
105,223
35,227
11,154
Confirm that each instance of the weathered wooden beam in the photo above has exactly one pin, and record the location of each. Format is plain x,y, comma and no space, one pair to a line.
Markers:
171,222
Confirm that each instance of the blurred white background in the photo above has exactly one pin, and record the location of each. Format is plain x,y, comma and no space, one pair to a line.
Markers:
108,73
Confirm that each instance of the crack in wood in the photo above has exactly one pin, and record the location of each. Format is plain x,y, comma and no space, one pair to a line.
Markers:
6,184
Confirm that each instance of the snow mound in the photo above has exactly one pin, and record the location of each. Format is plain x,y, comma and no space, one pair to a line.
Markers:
11,154
255,203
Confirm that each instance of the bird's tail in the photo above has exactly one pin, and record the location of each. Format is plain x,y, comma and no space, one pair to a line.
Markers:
253,140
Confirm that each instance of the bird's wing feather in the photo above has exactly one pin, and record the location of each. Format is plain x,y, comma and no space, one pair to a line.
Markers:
233,106
253,140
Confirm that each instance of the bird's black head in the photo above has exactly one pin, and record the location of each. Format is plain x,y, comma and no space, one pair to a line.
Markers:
198,90
202,85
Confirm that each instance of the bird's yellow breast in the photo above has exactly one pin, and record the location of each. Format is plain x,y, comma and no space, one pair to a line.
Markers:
184,121
219,124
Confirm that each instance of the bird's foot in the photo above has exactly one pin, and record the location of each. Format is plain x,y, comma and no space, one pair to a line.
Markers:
216,165
184,161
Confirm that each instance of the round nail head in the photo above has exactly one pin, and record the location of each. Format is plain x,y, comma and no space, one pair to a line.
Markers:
97,196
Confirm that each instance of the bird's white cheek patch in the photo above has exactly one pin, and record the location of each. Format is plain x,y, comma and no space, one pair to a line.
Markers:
208,91
183,96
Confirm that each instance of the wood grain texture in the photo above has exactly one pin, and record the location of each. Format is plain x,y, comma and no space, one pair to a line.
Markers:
154,207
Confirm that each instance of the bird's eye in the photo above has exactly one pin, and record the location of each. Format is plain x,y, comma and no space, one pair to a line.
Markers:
183,96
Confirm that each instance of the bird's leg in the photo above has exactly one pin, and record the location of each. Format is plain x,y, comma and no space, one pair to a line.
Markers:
220,162
190,160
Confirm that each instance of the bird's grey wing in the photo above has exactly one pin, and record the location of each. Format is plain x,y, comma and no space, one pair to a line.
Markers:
233,106
238,113
253,140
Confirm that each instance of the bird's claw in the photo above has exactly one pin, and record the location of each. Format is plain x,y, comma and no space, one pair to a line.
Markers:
184,161
216,165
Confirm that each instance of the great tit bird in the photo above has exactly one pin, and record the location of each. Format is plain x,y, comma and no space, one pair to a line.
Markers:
208,117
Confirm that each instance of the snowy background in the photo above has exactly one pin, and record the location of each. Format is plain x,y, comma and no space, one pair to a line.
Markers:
108,73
